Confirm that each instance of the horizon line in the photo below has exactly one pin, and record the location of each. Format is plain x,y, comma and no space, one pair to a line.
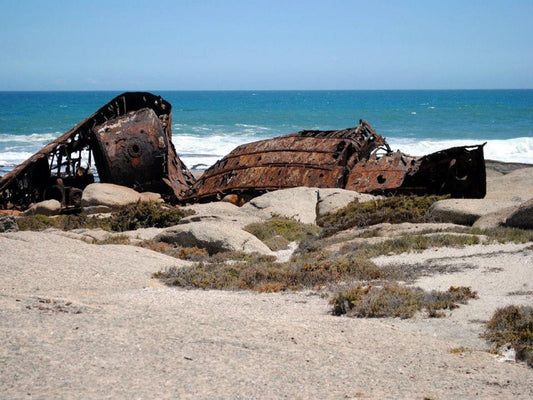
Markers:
251,90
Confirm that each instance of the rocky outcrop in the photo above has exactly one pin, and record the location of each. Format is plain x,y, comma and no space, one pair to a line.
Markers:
302,203
214,237
522,217
465,211
47,207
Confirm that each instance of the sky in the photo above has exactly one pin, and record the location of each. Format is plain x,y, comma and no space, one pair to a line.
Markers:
265,45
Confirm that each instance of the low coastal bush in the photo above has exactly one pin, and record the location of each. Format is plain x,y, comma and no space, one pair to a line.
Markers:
390,209
263,273
393,300
146,215
513,324
409,243
63,222
291,230
130,217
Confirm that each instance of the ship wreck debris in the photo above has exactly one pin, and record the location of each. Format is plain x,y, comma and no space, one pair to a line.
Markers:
356,159
129,140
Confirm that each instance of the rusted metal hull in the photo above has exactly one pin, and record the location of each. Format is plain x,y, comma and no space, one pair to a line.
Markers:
129,141
357,159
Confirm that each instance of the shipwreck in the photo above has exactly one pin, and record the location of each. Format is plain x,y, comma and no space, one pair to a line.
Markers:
128,142
356,159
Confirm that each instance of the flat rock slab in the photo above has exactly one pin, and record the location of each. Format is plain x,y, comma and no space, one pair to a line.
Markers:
214,237
466,211
220,212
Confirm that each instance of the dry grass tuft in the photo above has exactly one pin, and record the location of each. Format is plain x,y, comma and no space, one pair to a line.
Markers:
391,209
514,325
393,300
130,217
278,232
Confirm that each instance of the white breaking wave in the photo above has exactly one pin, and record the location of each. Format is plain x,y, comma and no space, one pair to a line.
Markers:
202,151
518,150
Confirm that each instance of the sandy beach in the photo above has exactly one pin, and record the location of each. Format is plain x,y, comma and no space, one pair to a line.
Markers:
80,320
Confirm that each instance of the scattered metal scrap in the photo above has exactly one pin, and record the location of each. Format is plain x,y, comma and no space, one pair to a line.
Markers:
357,159
128,139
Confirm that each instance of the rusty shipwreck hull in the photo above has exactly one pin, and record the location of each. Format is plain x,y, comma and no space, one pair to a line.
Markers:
357,159
129,142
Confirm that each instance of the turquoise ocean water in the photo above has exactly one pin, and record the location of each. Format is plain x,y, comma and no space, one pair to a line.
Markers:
207,125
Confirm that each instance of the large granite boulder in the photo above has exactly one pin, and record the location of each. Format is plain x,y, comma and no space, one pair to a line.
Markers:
47,207
214,237
522,217
332,200
106,197
297,203
465,211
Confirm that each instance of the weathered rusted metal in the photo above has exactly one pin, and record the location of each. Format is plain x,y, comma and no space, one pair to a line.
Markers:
129,141
355,158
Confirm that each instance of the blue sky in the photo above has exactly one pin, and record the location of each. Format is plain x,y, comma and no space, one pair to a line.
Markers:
227,45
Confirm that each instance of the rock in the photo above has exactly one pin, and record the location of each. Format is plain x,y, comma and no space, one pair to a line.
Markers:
516,186
214,237
522,217
220,212
8,223
151,197
109,195
331,200
298,203
47,207
494,219
465,211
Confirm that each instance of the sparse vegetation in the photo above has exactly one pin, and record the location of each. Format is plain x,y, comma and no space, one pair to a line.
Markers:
262,273
134,216
393,300
409,243
391,209
289,229
513,324
115,239
145,215
63,222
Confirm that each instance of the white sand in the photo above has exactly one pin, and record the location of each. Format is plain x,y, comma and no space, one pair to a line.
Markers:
86,321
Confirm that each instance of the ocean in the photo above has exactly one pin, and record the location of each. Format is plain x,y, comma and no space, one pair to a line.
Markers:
206,125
